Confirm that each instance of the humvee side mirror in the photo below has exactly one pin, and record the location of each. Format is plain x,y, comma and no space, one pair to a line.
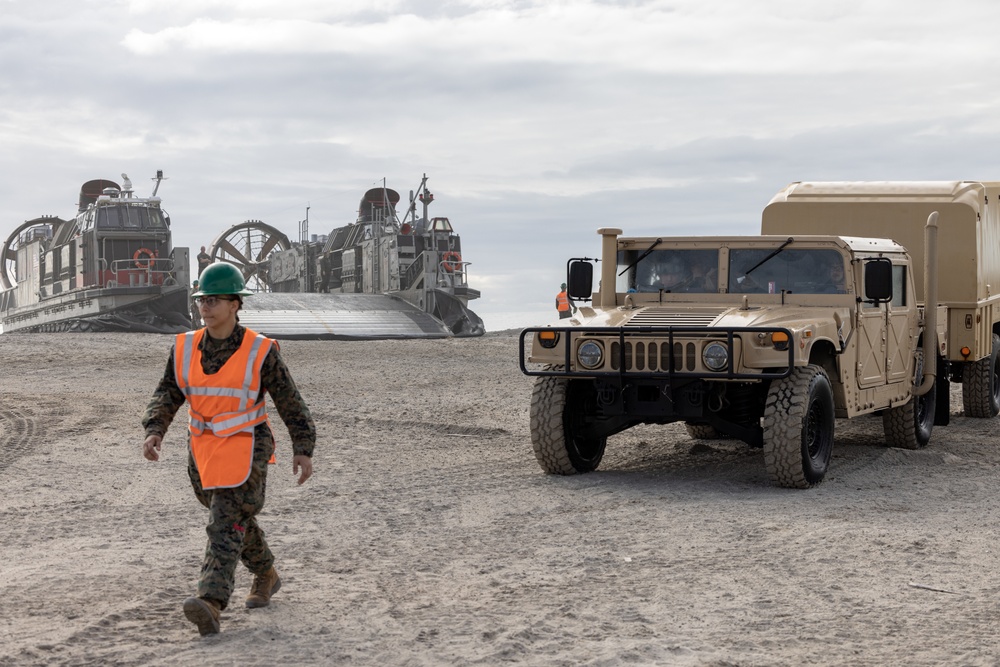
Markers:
878,280
581,280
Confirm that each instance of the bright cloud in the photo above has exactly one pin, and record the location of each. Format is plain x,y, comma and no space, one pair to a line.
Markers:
666,37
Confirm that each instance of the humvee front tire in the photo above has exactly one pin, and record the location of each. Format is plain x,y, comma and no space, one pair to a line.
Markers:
558,408
909,426
798,428
981,385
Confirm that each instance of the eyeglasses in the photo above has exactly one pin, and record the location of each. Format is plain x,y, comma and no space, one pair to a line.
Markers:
210,301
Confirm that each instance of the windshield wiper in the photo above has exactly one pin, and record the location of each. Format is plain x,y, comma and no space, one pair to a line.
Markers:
758,264
644,255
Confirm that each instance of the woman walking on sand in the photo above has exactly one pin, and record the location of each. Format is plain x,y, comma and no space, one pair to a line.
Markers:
222,371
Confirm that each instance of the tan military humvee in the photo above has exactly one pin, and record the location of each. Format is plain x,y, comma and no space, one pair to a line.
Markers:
766,339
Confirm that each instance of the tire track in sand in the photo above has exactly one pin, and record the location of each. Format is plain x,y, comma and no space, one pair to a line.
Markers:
18,429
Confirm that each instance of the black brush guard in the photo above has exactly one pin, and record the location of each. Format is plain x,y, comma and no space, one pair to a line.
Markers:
686,400
725,335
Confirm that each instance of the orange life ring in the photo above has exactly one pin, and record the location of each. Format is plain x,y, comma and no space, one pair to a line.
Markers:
150,255
451,261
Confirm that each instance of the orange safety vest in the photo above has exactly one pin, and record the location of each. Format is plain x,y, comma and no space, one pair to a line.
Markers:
224,407
562,301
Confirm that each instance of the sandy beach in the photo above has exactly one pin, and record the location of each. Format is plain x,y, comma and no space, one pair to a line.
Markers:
428,534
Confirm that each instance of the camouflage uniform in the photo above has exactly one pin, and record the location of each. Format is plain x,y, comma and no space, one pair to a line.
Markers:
233,533
195,314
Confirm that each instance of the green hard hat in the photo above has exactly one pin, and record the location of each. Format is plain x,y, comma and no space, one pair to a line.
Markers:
221,278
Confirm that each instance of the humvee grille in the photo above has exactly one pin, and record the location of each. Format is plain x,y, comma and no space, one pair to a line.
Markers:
655,356
684,318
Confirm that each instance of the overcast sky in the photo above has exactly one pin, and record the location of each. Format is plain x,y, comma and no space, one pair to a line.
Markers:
536,121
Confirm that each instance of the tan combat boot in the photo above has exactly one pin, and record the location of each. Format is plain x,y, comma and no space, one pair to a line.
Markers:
264,586
203,613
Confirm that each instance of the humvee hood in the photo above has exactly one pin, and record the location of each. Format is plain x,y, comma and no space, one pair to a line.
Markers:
833,324
729,316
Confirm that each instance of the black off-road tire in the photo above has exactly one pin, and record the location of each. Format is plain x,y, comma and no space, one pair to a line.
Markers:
798,428
558,406
981,385
909,426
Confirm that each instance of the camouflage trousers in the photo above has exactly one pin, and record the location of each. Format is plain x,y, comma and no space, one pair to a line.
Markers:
233,533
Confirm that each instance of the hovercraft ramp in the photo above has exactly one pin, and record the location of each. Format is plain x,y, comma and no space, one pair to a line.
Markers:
310,316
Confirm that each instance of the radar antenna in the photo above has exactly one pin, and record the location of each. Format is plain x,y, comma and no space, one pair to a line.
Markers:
159,177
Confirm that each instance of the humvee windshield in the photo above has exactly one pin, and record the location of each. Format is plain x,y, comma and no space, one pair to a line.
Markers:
794,270
687,271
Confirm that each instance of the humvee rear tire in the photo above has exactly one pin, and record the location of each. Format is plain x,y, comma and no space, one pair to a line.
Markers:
558,408
798,428
981,385
909,426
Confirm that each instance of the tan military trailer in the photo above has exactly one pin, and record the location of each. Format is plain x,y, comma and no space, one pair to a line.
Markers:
969,275
767,339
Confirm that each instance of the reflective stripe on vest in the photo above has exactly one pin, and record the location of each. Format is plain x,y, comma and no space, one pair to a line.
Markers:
227,423
224,407
562,301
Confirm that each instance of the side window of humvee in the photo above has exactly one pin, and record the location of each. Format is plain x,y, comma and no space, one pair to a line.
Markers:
899,299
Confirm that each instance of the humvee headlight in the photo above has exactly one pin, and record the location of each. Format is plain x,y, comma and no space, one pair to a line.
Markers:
590,354
779,339
715,356
548,339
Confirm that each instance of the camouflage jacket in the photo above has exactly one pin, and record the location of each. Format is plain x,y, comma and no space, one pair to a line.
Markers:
275,380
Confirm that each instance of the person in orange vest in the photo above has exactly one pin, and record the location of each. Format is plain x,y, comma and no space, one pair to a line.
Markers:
222,371
565,308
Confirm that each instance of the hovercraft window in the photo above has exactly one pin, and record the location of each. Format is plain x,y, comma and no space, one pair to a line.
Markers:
129,217
107,218
155,220
132,217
